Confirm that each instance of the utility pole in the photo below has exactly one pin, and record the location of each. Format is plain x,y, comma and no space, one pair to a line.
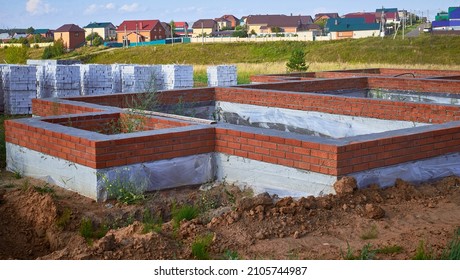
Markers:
202,33
403,23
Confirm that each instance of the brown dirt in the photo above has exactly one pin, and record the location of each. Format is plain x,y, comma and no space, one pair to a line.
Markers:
41,221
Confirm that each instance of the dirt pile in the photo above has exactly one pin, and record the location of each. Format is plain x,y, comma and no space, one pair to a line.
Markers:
236,224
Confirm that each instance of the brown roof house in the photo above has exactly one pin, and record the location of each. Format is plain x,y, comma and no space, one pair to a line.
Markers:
73,36
137,31
287,24
234,21
205,27
325,16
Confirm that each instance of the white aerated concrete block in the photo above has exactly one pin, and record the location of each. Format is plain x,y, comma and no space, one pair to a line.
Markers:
58,81
141,78
177,76
96,79
222,76
19,88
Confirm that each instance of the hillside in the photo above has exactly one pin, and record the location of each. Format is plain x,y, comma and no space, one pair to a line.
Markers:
423,50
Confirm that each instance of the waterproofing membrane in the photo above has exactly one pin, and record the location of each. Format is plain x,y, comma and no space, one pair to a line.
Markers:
305,122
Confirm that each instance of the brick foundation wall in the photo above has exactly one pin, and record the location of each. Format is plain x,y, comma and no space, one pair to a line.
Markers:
111,151
363,107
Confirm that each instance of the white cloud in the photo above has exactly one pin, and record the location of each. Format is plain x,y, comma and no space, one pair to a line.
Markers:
110,6
92,9
38,7
130,7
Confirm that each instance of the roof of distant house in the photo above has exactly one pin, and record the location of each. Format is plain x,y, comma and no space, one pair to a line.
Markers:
230,17
329,15
180,24
387,10
368,17
204,23
4,36
69,28
139,25
41,31
350,24
98,25
279,20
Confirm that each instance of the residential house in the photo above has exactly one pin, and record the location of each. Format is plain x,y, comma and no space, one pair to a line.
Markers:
4,37
73,36
325,16
167,27
223,24
368,17
182,29
449,21
45,33
346,28
106,30
390,15
234,21
137,31
261,24
205,27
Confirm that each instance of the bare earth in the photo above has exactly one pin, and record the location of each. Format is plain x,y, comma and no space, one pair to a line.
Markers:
41,221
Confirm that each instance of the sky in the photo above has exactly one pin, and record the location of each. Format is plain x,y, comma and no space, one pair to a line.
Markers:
54,13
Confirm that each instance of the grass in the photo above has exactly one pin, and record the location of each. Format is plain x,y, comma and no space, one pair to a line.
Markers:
151,222
371,233
393,249
423,252
89,232
45,189
64,219
200,247
366,253
185,212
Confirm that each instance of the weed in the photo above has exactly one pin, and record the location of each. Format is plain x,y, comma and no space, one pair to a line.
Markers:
46,189
151,222
122,188
423,253
230,196
90,233
86,229
231,255
365,254
9,186
207,202
25,185
394,249
200,247
186,212
452,252
64,218
17,174
372,233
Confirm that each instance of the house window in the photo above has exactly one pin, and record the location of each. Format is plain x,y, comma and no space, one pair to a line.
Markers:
77,34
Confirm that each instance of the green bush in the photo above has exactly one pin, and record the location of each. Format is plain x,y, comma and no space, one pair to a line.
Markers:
297,62
57,49
200,247
186,212
17,55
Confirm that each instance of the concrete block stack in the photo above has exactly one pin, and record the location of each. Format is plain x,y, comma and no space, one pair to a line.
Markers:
116,77
177,76
19,88
141,78
96,79
222,76
58,81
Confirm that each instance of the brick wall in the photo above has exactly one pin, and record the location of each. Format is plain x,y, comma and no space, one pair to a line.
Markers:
113,151
314,85
47,107
363,107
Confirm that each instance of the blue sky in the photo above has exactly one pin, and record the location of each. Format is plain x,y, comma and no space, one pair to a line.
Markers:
54,13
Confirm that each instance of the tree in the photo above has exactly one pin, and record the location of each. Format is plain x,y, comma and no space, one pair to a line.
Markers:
16,55
173,28
297,62
30,30
53,51
95,39
276,29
